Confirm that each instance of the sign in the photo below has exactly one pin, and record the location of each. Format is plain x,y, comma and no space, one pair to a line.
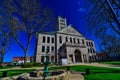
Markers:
64,62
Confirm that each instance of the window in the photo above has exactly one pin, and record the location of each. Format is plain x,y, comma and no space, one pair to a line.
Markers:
60,39
43,39
91,50
43,48
78,40
91,44
42,58
52,40
88,50
93,57
87,43
74,40
48,49
89,57
66,39
52,49
48,39
71,40
83,41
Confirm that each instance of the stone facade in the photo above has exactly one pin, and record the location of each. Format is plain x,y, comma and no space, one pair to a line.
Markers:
66,43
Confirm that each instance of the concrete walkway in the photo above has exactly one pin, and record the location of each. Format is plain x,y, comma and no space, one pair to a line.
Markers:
74,77
87,64
97,64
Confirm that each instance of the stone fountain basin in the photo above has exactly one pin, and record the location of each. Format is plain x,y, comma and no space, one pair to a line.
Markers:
38,75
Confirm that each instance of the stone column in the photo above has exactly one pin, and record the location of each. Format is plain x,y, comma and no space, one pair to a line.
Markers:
74,58
40,58
68,58
87,57
82,58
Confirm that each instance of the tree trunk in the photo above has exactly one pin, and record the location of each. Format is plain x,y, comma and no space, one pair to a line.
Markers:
2,55
27,48
26,56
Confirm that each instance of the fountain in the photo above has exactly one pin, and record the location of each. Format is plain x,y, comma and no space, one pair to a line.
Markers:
44,74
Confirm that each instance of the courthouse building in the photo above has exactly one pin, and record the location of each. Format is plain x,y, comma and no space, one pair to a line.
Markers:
65,43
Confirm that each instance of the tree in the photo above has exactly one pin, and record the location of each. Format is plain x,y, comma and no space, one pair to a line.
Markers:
5,38
103,19
105,14
5,43
26,17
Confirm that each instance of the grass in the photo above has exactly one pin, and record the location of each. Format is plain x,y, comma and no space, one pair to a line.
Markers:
16,72
96,73
7,67
112,62
103,76
99,73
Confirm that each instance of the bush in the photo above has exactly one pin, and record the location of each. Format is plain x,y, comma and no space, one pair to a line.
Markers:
37,64
31,65
27,65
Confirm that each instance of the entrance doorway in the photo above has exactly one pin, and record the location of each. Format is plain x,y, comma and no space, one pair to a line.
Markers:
78,56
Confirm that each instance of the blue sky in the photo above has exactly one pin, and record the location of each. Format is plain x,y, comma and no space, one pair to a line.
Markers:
73,10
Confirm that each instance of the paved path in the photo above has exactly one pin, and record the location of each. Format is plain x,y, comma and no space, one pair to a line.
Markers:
97,64
87,64
74,77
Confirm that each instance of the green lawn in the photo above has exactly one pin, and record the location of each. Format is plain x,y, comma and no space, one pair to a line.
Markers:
112,62
99,73
103,76
7,67
16,72
96,73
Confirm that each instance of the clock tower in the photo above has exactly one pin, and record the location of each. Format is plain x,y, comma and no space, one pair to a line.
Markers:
62,23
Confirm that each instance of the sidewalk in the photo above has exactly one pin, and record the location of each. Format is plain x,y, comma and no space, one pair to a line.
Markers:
97,64
74,77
